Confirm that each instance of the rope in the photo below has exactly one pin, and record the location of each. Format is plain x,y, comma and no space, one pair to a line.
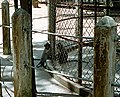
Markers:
5,26
89,42
40,17
7,92
55,94
57,73
67,76
2,43
66,19
9,6
56,34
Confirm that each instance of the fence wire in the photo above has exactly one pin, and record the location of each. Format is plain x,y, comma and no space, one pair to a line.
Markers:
78,19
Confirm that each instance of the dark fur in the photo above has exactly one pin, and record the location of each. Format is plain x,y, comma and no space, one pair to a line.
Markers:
46,55
62,55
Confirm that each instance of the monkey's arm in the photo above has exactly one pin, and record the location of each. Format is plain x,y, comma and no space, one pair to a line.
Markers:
45,55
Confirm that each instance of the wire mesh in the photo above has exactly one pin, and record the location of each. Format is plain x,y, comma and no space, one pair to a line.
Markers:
66,16
114,12
78,18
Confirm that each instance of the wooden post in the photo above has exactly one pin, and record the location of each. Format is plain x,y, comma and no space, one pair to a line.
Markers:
21,35
16,4
104,57
27,6
6,30
52,25
35,3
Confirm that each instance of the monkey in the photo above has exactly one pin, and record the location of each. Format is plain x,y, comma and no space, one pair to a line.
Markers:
45,55
62,54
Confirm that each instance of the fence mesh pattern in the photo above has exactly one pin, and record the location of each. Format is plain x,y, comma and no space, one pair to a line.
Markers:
77,19
65,24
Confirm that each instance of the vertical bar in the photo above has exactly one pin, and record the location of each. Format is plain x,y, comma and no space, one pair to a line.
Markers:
6,30
27,6
80,46
52,25
108,6
95,3
16,4
79,32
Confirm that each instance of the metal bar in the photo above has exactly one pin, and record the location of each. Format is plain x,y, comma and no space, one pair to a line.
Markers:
52,25
80,34
95,9
107,4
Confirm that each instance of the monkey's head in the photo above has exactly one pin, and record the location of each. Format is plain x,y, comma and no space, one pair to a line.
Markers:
47,45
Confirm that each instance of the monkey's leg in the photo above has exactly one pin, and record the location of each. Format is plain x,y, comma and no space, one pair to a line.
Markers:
45,56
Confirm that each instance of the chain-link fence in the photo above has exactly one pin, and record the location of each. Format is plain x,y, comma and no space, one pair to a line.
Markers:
75,21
